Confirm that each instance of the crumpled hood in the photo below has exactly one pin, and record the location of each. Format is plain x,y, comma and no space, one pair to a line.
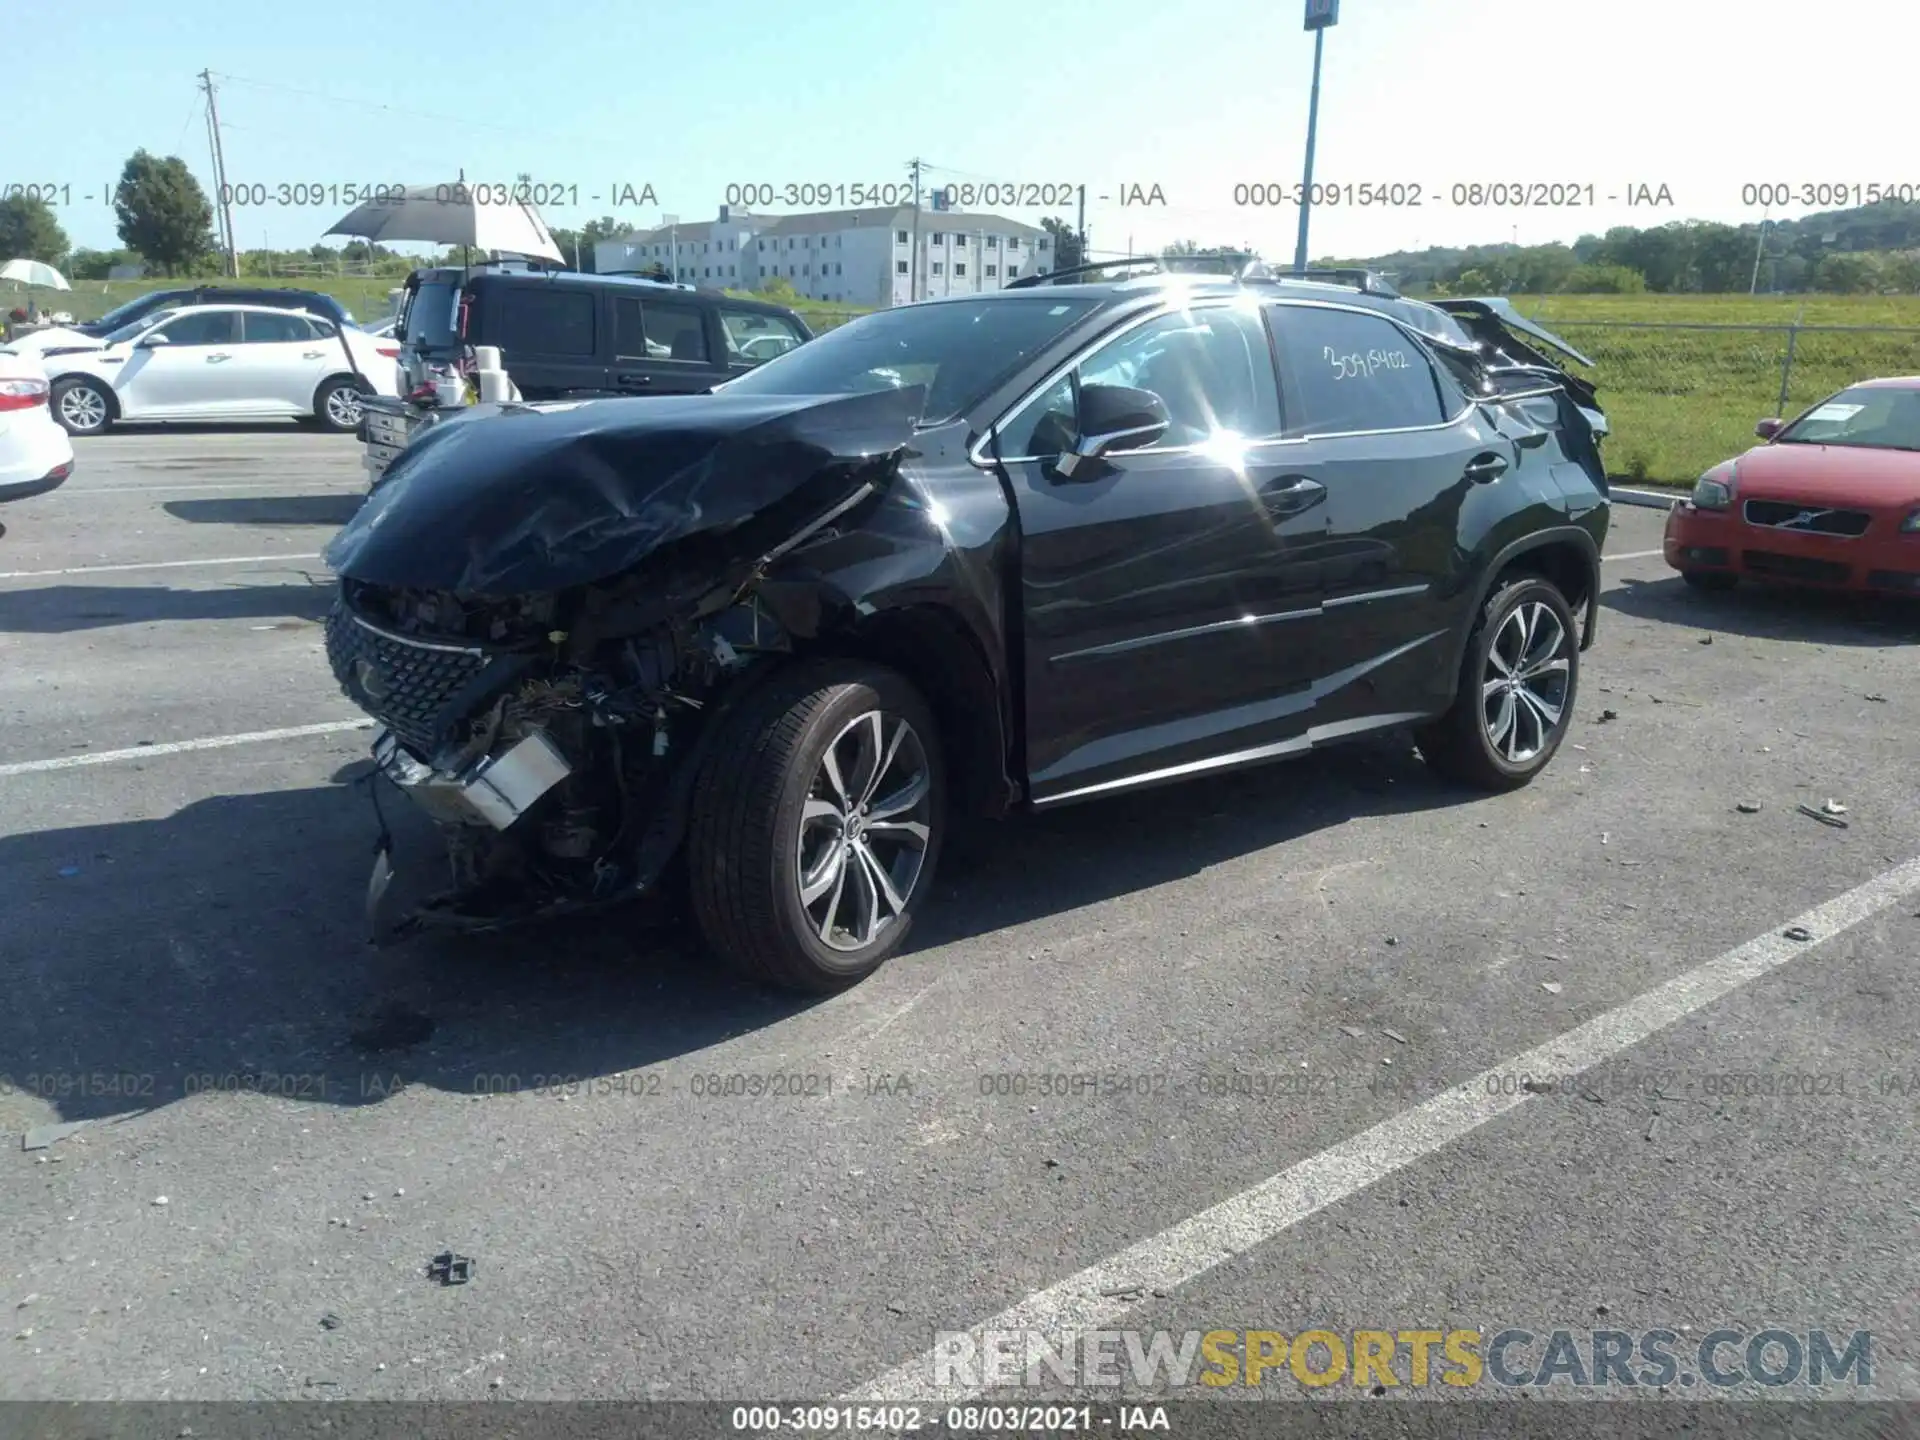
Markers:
513,499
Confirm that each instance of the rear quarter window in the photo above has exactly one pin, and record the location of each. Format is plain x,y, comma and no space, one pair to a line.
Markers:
1342,371
542,320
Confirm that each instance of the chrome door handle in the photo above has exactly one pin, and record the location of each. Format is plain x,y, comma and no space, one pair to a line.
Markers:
1290,494
216,359
311,354
1487,467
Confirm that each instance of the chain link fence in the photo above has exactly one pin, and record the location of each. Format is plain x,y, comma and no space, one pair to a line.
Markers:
1682,397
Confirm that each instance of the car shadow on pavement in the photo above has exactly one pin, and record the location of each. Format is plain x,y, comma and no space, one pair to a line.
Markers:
1765,612
331,510
64,609
222,946
135,429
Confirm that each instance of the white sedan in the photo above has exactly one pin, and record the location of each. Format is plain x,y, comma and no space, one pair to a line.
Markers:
35,453
221,362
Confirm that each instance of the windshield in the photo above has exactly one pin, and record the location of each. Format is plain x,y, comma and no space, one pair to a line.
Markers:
429,320
960,351
1864,417
138,327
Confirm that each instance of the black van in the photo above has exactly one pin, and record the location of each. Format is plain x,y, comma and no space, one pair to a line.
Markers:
561,335
564,334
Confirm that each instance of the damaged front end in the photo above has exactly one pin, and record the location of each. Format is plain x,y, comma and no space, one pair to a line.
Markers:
549,680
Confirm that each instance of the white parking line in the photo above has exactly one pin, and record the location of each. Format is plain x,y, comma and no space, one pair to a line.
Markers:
150,565
1634,555
1084,1302
176,747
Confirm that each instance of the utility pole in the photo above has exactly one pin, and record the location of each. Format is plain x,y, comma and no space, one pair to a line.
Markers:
1759,249
1320,15
913,277
1080,225
221,194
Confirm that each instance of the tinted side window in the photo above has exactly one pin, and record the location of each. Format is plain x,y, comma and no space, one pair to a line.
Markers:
261,328
209,327
1211,368
659,330
1342,371
681,328
541,320
753,337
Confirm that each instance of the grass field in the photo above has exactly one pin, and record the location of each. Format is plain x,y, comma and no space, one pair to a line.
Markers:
1679,399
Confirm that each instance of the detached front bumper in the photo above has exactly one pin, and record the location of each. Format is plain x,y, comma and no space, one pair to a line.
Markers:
492,794
1882,560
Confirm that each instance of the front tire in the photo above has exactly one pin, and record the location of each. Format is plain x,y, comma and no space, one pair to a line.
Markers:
816,826
81,406
1518,682
336,405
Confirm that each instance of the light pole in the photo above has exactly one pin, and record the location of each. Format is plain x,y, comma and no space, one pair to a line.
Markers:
673,245
1320,15
1759,250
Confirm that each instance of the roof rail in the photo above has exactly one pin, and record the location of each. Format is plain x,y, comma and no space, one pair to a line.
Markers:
1054,277
1370,281
1236,265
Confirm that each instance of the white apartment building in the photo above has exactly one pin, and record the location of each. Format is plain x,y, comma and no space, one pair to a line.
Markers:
850,257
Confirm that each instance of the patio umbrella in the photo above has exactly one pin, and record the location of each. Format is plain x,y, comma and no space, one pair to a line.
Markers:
475,216
34,273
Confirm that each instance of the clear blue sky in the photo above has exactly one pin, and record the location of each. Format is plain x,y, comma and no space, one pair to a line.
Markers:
1699,95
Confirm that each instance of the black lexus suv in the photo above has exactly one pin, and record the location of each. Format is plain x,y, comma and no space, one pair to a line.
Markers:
981,554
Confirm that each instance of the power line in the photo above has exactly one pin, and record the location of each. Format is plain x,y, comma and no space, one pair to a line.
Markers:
464,122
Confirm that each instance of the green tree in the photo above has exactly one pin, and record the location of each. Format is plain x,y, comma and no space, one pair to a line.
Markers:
28,231
1069,246
1603,280
85,264
1902,272
1851,274
162,211
779,290
1472,282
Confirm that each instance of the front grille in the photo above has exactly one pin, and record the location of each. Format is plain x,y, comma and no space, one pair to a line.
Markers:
1807,519
1795,567
416,689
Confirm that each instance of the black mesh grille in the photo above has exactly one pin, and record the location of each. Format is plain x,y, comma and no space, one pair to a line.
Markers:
1810,518
408,686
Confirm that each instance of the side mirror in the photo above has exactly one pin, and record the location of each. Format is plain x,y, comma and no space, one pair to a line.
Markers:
1115,417
149,342
1767,429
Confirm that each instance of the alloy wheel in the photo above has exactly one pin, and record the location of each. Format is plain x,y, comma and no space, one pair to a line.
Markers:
1524,691
864,830
83,408
343,407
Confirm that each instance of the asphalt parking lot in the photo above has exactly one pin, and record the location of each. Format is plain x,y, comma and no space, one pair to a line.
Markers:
182,863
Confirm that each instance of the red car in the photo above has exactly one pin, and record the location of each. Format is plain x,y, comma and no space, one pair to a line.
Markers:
1832,499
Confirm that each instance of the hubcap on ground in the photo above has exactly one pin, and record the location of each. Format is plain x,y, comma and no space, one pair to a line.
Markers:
1524,692
82,408
864,830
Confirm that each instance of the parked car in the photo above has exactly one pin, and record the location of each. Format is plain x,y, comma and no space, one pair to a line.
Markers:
1830,499
35,453
986,553
565,335
222,362
40,342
